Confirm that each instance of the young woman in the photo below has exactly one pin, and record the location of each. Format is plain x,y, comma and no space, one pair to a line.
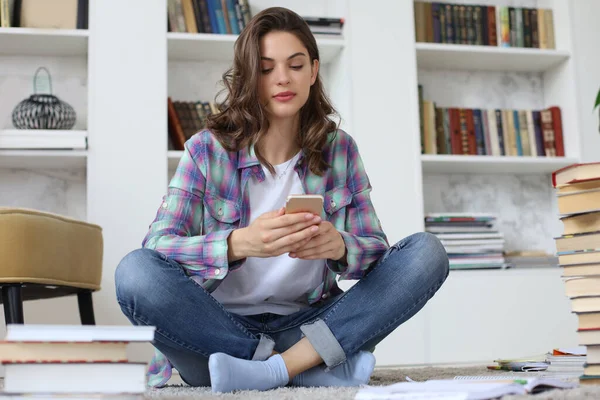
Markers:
244,296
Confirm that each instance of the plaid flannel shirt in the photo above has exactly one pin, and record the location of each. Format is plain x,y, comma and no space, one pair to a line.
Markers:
207,199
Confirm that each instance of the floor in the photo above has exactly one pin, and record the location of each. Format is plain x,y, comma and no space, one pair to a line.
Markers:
380,377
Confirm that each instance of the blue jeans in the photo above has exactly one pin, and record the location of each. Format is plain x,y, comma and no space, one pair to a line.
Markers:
191,324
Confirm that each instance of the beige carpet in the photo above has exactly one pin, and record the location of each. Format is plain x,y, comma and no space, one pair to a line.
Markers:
380,377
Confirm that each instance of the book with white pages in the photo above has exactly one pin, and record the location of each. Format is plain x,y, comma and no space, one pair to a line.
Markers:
472,242
78,333
463,236
42,139
108,378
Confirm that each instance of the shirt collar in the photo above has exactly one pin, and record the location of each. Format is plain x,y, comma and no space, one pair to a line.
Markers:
247,157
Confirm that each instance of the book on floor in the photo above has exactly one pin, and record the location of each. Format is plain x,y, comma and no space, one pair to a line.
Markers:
107,378
62,351
78,333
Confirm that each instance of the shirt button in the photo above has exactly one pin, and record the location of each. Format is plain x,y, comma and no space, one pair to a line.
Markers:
165,205
333,203
220,212
217,271
324,296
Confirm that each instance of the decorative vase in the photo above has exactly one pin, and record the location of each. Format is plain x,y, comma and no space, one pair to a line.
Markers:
43,111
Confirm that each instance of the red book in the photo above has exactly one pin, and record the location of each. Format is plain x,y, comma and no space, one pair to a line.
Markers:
576,173
558,131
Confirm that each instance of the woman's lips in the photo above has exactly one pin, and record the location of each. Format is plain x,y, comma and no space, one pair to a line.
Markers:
284,96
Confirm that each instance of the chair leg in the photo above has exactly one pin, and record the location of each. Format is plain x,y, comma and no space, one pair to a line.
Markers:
86,307
13,304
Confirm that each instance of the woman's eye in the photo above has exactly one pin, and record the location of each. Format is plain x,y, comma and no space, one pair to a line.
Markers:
296,67
266,70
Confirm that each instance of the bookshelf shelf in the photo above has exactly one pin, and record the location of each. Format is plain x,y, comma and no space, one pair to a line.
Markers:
213,47
174,156
43,42
456,164
487,58
43,159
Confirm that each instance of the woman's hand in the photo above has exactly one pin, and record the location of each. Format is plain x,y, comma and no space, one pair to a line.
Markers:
327,244
272,234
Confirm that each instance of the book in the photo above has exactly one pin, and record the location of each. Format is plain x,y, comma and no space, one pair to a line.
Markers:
62,352
576,173
578,241
43,139
473,388
583,287
581,222
78,333
126,377
589,336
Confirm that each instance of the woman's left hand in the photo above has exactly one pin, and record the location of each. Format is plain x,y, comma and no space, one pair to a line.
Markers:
327,244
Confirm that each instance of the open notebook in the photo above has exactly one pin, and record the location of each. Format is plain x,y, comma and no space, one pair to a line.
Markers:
462,388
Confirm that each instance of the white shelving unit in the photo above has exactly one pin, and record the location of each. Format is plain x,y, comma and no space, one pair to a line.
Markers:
487,58
43,42
483,301
174,156
43,159
464,164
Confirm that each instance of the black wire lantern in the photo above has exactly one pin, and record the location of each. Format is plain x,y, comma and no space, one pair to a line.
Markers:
43,111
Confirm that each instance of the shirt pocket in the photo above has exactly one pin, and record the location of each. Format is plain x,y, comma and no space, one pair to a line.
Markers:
220,213
336,201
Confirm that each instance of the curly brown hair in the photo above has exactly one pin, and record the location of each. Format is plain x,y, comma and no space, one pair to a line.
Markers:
242,120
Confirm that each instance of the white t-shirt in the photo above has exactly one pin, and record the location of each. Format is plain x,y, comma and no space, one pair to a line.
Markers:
277,285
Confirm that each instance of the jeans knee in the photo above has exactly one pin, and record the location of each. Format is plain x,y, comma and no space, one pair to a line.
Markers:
436,253
439,258
132,274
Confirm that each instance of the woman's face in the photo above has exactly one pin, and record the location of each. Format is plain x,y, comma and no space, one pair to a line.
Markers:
286,74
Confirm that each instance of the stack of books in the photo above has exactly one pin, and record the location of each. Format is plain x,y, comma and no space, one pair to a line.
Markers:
72,361
567,362
471,240
325,25
578,248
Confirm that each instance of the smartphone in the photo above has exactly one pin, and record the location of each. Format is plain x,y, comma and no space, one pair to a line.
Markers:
312,203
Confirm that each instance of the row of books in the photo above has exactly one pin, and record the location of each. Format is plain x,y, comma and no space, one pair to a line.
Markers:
187,118
208,16
437,22
71,14
577,188
229,17
471,240
494,132
73,361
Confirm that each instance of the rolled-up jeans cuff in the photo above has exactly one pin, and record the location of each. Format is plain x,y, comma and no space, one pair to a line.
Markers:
322,339
264,348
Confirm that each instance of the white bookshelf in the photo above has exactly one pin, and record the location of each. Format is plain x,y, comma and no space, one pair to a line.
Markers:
478,299
213,47
464,164
174,156
487,58
43,42
43,159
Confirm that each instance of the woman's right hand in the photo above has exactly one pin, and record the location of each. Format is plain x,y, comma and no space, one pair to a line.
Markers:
273,233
